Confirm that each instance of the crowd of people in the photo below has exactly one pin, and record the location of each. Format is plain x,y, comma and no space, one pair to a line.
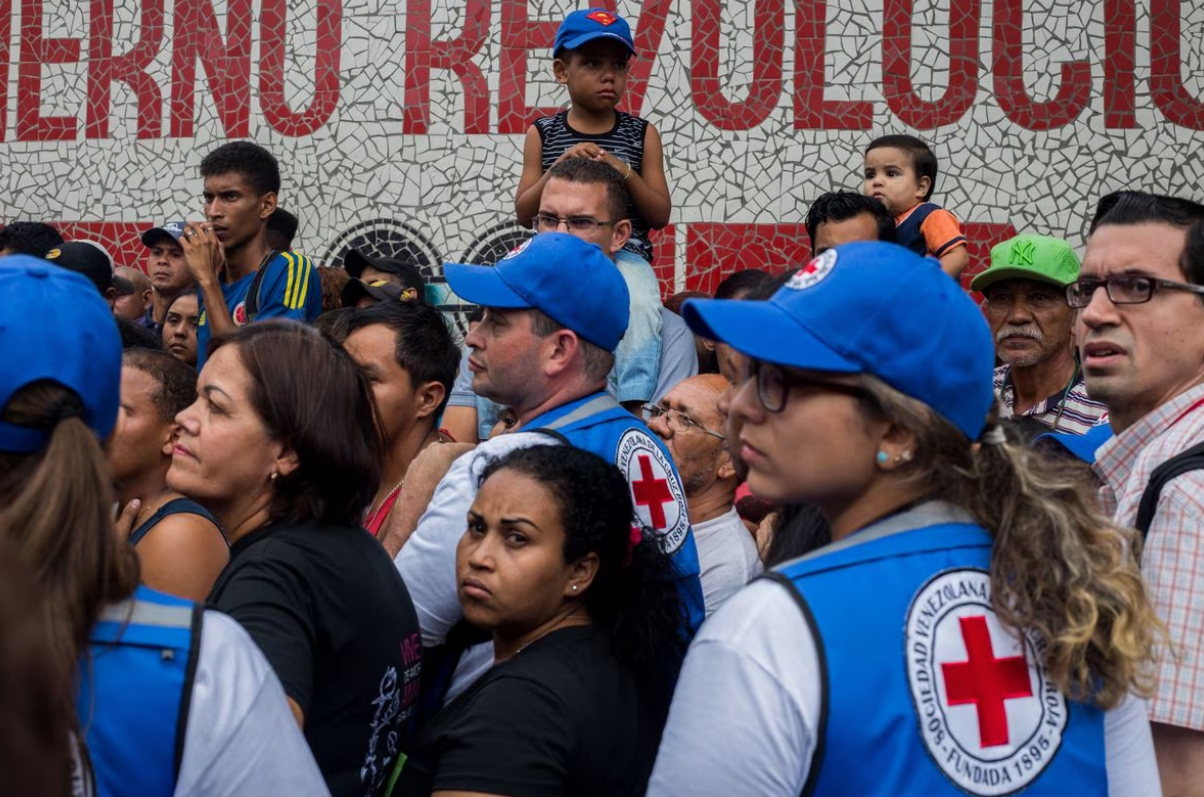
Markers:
273,527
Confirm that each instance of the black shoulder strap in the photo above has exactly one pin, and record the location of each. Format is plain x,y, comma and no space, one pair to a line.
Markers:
821,729
1191,459
194,653
252,305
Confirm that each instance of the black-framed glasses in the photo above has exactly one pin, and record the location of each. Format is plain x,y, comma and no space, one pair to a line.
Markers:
677,420
1126,289
774,385
549,222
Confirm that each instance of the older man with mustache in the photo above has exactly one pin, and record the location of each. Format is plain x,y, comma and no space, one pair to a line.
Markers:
1025,290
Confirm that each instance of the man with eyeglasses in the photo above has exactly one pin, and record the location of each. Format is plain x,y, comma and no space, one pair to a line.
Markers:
1140,332
688,420
587,199
1025,304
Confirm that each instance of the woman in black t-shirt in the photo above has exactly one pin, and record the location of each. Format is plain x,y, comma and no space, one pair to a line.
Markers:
586,634
281,447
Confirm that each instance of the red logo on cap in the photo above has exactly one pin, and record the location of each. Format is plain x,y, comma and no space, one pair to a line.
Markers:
240,314
604,18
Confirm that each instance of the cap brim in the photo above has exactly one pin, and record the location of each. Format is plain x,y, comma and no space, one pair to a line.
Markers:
989,277
354,263
150,236
1082,446
352,292
483,285
763,331
584,38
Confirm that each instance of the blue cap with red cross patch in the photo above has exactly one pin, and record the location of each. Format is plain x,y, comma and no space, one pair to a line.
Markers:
55,327
567,279
869,308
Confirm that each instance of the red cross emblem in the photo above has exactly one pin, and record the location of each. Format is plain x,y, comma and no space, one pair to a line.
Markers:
986,681
652,492
603,18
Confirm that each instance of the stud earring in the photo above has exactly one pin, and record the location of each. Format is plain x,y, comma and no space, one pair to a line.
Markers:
883,457
905,456
274,475
574,588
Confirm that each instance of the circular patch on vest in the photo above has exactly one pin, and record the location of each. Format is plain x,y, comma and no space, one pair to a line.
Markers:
660,501
990,717
240,314
814,272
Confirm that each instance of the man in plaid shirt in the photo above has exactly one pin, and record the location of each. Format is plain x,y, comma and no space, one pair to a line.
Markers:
1141,334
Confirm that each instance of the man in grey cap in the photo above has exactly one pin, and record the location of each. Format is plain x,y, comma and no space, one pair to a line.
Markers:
169,274
1025,290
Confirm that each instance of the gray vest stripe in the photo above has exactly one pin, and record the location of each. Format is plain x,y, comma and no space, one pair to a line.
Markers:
142,613
591,407
929,513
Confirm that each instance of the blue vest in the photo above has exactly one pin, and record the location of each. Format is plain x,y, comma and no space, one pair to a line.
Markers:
909,234
599,424
134,690
924,691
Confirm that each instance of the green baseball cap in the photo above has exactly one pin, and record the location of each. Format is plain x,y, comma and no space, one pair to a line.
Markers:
1030,257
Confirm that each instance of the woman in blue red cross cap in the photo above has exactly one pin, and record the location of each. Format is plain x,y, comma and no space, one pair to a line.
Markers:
977,625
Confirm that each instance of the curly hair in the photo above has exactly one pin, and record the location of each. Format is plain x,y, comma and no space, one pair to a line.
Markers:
176,379
249,160
1059,565
634,594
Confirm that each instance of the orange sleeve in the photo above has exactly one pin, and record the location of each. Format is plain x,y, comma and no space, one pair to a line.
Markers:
942,232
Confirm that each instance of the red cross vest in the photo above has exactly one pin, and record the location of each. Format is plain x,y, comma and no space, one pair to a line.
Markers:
599,424
924,692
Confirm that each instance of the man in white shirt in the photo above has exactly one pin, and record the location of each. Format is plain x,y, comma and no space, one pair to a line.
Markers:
688,420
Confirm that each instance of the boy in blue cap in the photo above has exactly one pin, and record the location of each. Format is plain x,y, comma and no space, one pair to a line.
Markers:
591,54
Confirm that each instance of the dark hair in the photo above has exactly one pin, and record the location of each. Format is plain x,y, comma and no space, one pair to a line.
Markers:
29,238
584,171
249,160
769,287
634,593
281,229
336,324
333,279
596,360
740,283
845,205
175,378
566,54
1140,207
36,709
922,157
136,336
312,398
423,345
798,529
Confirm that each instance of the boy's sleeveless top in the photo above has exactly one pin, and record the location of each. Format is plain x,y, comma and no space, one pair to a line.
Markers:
908,232
135,686
924,691
176,506
625,141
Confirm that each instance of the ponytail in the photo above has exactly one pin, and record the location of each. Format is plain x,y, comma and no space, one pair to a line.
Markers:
56,506
1059,566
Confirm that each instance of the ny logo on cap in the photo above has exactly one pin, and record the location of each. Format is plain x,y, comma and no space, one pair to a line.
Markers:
602,18
1022,253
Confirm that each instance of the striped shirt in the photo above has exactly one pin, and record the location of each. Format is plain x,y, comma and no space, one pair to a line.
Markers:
1070,410
1173,561
625,141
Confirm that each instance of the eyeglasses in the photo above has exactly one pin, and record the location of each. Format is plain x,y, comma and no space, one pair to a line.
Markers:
677,420
774,386
547,222
1128,289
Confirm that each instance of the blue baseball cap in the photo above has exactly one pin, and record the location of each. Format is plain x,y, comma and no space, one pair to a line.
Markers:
568,279
172,229
1083,446
580,27
869,308
55,326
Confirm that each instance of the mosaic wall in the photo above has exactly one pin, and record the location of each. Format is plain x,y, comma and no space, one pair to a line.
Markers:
399,123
